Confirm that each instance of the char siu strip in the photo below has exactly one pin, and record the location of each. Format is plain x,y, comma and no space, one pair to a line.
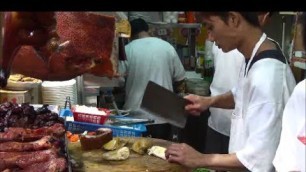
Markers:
22,134
25,159
53,165
41,144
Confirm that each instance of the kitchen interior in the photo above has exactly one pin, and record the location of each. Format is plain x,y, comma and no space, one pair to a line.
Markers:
95,92
189,41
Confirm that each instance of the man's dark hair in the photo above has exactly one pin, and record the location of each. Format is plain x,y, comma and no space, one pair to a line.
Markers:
138,25
250,17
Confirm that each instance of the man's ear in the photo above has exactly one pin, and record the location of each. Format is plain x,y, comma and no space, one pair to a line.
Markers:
234,19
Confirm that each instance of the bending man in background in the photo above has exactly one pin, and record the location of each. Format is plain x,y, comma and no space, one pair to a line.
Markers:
150,59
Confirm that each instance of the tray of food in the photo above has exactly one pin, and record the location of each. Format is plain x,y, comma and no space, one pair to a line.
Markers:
21,82
32,139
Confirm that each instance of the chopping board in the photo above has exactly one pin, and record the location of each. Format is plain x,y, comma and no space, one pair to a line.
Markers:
92,161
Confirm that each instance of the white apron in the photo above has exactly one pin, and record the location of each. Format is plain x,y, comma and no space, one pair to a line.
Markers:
237,139
251,150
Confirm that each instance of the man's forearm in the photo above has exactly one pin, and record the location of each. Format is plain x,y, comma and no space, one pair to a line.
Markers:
225,101
221,162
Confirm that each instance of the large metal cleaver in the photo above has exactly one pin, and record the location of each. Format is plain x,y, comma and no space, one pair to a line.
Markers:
164,104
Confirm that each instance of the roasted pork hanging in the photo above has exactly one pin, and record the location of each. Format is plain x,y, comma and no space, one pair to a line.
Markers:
58,45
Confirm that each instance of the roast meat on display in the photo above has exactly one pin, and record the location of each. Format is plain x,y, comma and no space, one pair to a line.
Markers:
43,143
58,45
48,161
31,140
25,116
26,134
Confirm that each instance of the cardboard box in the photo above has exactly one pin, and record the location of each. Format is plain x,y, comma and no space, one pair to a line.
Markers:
15,96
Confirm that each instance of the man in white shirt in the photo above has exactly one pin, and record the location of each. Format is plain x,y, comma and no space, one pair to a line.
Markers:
149,59
219,122
264,86
291,151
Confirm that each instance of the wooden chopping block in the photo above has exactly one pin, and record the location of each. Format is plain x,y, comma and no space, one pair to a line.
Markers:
92,161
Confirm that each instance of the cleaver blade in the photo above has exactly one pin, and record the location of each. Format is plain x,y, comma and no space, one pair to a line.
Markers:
164,104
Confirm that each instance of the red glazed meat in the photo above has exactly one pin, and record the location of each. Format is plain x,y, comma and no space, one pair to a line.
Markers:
58,46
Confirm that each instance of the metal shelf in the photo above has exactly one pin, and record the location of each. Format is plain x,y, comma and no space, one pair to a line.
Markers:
192,32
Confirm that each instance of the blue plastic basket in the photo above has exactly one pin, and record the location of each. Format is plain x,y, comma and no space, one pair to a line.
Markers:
135,130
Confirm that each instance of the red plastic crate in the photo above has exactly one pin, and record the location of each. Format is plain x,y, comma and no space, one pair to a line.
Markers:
91,118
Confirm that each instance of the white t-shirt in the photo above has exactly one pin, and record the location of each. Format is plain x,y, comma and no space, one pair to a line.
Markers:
227,68
291,151
260,98
148,59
